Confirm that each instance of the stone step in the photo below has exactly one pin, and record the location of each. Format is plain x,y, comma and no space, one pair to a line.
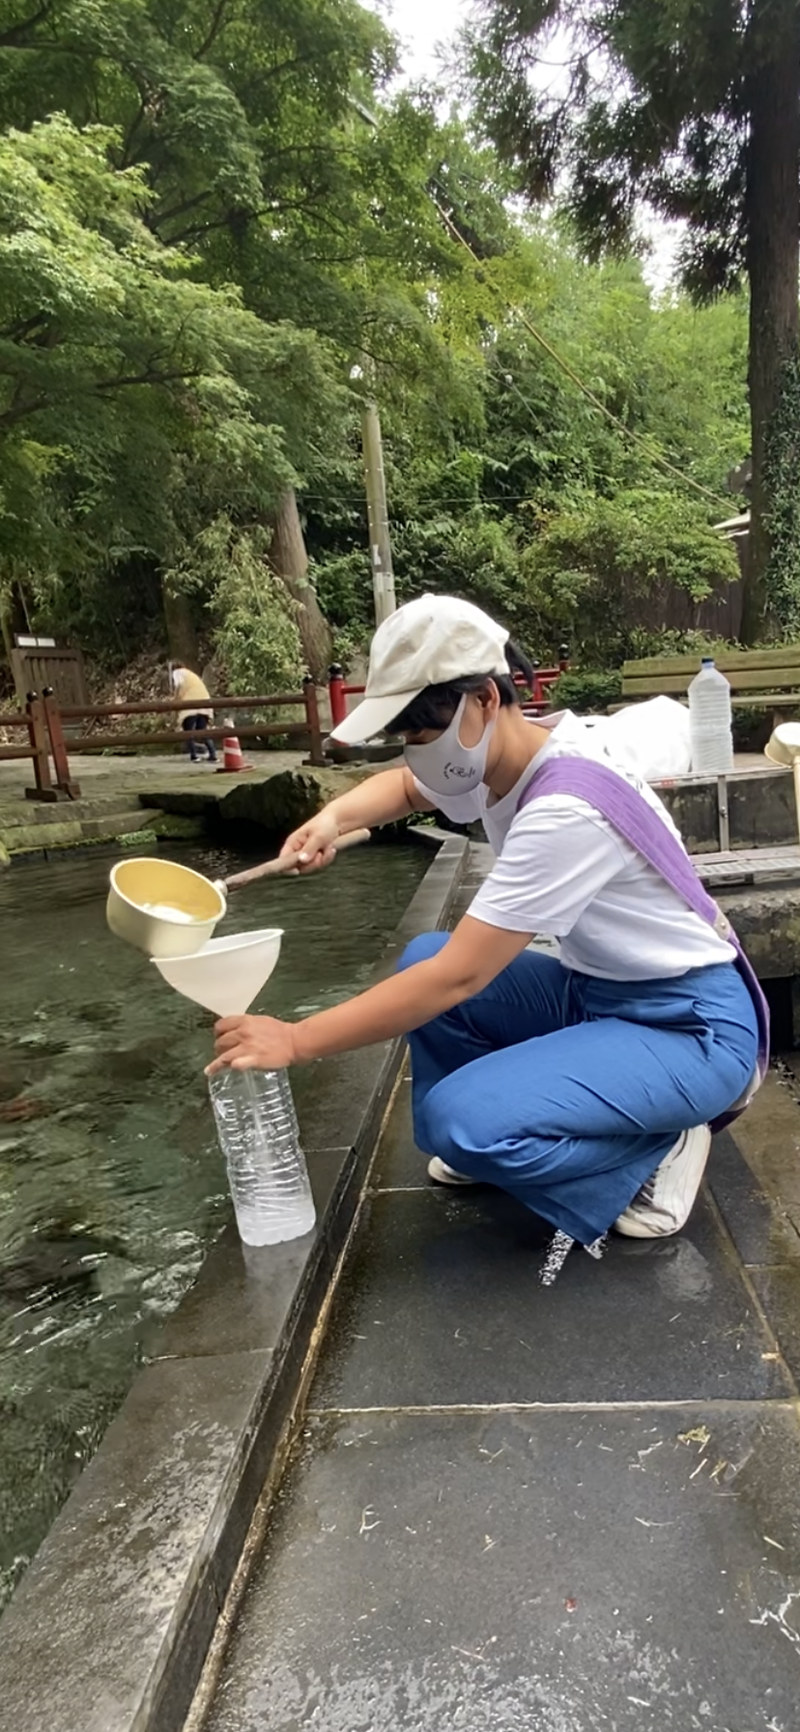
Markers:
72,830
117,824
25,814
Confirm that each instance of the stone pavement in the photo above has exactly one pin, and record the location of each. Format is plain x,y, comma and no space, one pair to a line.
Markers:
120,778
121,796
518,1509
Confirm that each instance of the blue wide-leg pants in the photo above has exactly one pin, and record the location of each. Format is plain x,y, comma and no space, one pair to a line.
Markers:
567,1091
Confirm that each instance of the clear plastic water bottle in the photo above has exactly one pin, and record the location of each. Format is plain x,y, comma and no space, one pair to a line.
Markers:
710,721
267,1173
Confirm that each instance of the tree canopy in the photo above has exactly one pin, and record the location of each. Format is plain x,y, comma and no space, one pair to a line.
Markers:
693,106
219,226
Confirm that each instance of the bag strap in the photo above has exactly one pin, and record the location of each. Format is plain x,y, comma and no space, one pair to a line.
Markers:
626,809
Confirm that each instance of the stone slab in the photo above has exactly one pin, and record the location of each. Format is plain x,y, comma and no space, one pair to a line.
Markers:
399,1165
126,1573
767,920
553,1572
761,1230
441,1304
768,1136
761,811
335,1097
779,1292
245,1297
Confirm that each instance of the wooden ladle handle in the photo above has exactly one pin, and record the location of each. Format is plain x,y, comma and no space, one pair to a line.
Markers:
288,862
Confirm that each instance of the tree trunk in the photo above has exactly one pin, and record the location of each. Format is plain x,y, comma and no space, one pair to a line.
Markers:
181,629
772,214
13,617
288,559
7,632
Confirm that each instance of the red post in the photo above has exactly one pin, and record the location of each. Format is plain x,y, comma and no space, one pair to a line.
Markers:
315,753
37,734
336,695
58,746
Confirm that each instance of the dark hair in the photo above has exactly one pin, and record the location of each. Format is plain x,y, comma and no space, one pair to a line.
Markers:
436,705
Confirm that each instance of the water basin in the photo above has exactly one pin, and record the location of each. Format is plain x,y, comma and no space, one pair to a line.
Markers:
111,1182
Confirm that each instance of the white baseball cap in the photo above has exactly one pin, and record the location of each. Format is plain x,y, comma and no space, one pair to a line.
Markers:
425,643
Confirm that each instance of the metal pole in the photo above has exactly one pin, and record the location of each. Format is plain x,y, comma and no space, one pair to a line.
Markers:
380,547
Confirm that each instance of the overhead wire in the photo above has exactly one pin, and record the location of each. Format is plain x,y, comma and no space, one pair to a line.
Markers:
538,336
629,433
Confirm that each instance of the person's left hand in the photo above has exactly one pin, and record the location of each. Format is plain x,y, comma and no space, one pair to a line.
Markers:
252,1043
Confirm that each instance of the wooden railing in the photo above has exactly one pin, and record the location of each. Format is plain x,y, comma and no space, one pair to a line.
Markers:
535,704
45,718
34,722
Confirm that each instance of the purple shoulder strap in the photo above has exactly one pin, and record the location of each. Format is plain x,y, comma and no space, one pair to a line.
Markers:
623,806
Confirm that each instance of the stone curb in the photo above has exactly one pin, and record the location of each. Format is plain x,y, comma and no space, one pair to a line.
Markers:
110,1626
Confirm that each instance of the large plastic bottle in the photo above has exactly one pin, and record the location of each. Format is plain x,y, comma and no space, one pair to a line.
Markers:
710,721
258,1134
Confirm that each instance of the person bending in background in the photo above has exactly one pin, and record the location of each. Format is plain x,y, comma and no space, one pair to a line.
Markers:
195,718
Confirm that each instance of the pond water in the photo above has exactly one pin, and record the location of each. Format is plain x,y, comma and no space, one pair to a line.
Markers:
111,1182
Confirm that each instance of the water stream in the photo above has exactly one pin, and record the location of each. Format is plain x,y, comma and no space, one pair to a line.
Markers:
111,1182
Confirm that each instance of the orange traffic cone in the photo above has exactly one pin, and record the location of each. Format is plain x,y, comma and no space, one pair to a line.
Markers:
232,758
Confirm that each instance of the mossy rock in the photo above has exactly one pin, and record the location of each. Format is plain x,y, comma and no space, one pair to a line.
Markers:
137,838
175,827
283,802
181,803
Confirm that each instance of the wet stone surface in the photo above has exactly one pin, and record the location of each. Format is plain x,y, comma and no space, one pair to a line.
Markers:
148,1501
572,1509
562,1572
441,1305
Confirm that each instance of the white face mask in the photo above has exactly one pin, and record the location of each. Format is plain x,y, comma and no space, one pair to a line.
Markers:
445,765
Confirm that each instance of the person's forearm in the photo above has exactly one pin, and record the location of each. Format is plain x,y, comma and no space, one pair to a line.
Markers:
464,964
396,1006
380,799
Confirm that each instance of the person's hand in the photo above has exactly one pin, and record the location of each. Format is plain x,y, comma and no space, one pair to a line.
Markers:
313,843
252,1043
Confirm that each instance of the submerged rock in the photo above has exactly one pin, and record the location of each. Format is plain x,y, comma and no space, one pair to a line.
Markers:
58,1260
23,1107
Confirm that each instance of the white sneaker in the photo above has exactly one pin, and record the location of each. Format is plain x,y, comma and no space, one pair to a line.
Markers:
444,1175
664,1204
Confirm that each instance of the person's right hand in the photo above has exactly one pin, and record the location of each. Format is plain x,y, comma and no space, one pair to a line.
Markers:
313,843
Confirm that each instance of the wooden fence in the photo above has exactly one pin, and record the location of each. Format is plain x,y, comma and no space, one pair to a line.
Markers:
44,720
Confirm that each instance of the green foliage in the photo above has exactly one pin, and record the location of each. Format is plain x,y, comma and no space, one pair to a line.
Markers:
690,108
466,553
131,395
344,586
651,108
587,693
211,252
256,636
782,468
594,563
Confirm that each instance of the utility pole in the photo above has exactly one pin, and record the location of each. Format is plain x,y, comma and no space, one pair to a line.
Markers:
380,547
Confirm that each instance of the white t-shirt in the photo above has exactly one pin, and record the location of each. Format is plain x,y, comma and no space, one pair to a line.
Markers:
561,868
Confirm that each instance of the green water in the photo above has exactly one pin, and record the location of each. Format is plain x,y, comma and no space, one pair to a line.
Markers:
111,1183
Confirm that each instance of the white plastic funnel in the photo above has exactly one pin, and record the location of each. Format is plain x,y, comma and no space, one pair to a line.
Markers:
228,973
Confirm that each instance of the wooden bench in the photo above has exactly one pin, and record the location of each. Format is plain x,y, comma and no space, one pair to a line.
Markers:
767,679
